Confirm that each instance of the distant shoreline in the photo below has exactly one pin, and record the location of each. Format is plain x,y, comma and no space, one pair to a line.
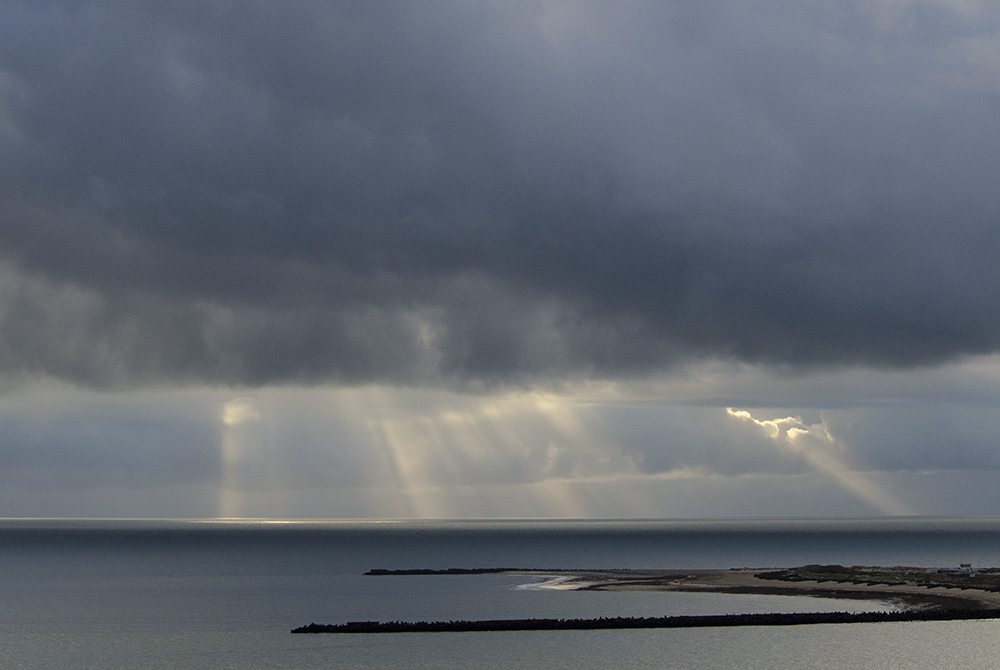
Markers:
912,594
919,593
905,588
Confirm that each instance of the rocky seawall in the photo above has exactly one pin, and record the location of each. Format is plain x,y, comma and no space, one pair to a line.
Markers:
649,622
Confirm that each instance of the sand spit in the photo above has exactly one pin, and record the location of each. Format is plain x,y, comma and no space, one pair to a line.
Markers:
919,595
907,588
908,595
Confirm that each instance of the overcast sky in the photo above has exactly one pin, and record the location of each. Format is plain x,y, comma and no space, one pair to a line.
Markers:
520,258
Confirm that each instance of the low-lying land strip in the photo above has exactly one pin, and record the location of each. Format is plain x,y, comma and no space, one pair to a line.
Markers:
905,587
902,586
920,594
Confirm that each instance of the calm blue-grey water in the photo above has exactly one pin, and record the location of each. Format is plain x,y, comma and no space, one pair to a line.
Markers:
188,594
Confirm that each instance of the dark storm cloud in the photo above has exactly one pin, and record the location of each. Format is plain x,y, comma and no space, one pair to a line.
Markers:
421,192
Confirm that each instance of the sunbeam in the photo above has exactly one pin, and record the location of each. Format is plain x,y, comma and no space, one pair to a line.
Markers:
817,446
235,415
532,446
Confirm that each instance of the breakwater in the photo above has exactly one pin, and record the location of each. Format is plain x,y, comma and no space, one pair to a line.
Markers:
378,572
704,621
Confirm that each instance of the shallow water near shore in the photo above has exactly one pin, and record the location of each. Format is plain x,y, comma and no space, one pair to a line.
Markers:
966,644
176,594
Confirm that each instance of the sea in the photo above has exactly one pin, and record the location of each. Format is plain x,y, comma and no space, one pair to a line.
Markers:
179,594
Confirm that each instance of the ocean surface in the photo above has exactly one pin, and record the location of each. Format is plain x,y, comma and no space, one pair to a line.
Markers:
211,594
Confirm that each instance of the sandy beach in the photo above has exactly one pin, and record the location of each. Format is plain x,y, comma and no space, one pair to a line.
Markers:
910,595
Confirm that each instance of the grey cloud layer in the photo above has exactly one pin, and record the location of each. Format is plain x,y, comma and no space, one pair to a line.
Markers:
423,192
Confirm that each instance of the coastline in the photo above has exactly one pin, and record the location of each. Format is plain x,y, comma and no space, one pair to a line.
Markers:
913,595
906,596
907,589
